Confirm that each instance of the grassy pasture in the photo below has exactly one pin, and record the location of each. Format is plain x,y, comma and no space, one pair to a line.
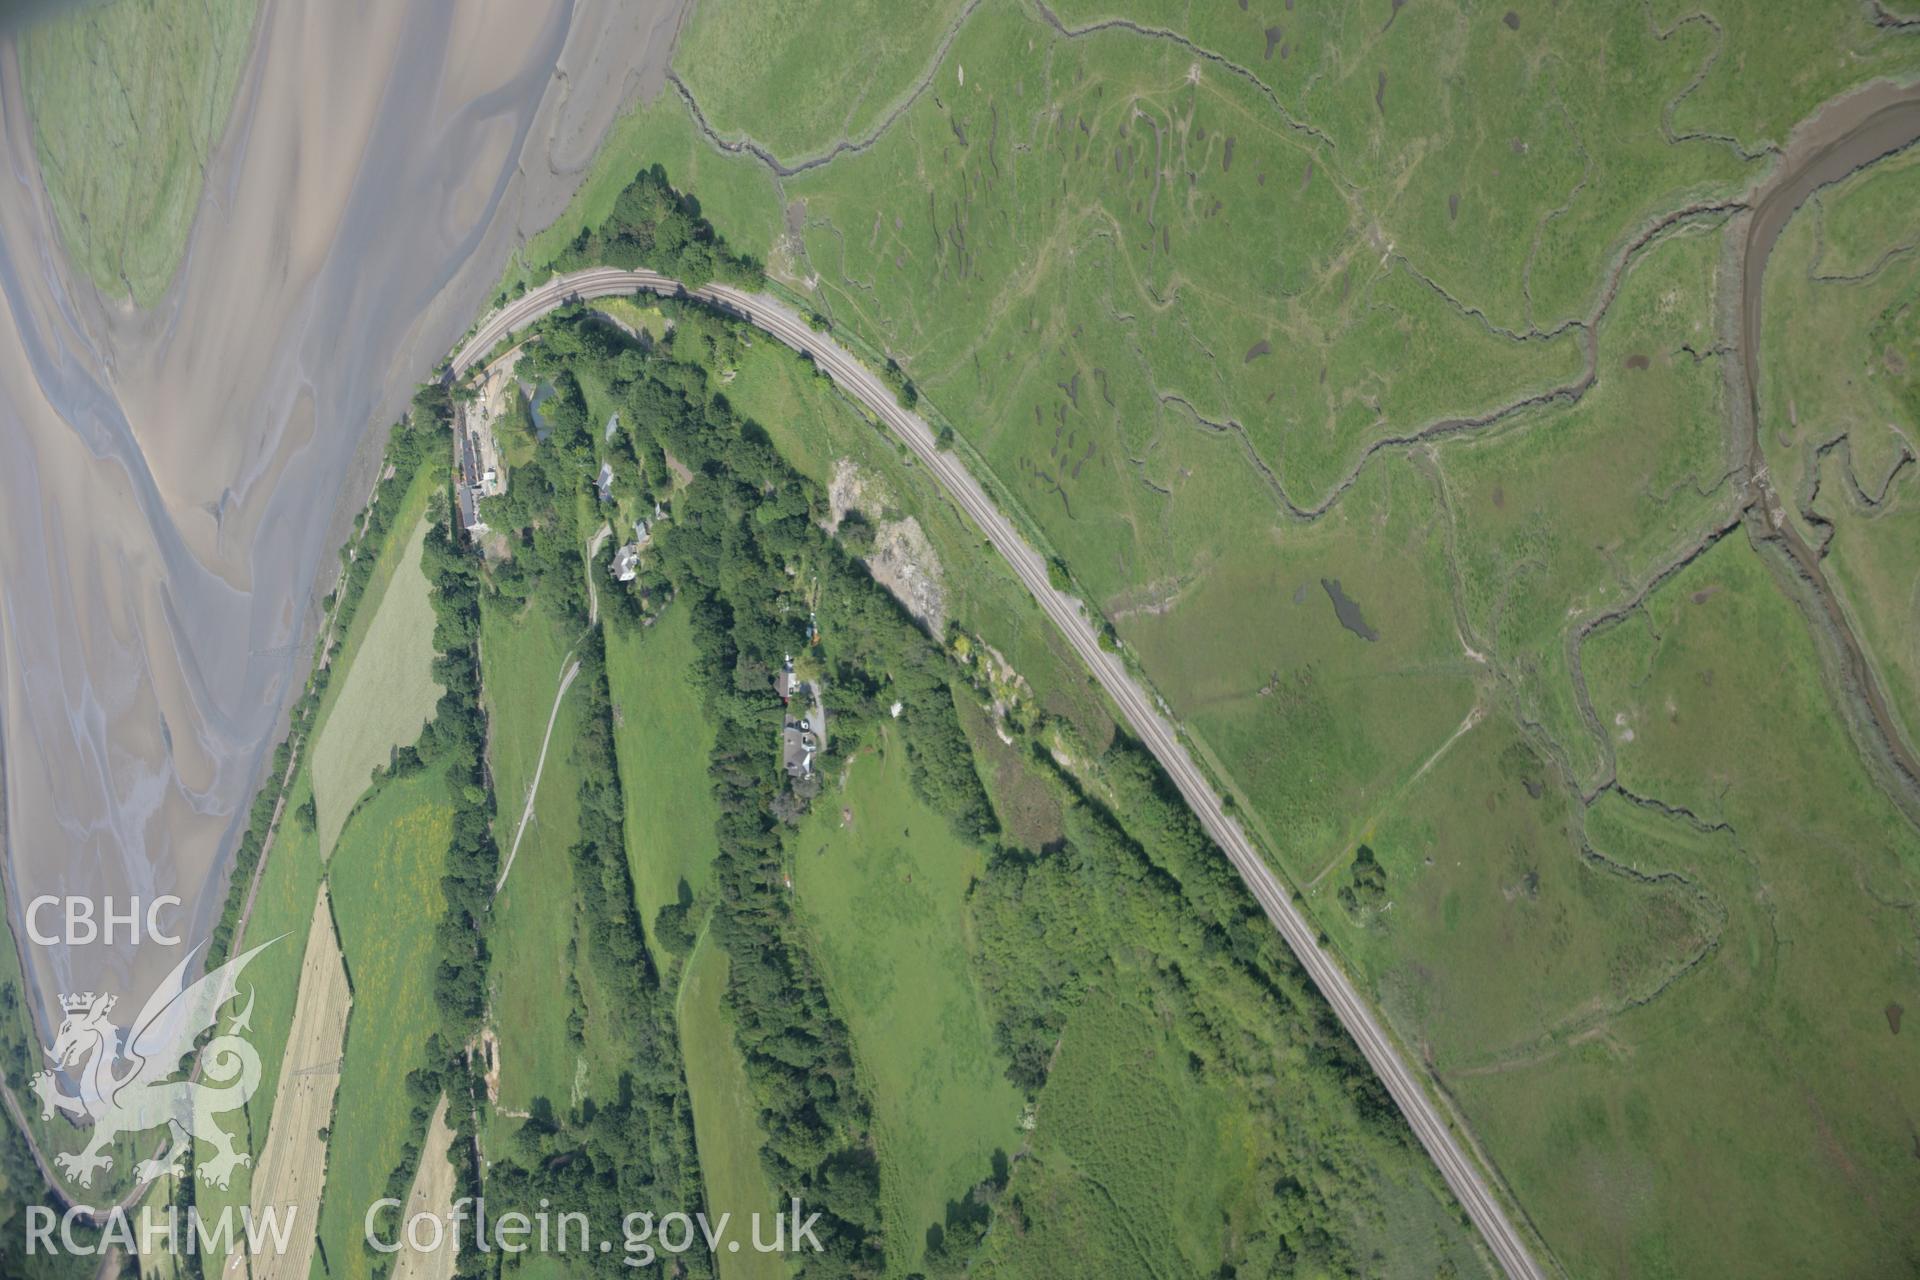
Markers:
1498,939
128,102
884,896
799,75
1028,810
1026,278
385,880
1509,160
635,316
534,916
1840,429
1314,723
1773,65
1570,510
289,1173
388,692
725,1123
664,741
297,860
1856,223
1665,1136
1139,1166
1182,1115
388,554
1079,254
1119,1114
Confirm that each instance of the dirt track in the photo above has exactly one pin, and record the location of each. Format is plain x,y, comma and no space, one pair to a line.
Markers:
292,1166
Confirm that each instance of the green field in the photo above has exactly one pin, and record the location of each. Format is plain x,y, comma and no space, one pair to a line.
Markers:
297,860
532,934
1373,373
1193,1114
725,1122
663,739
389,692
1120,1102
634,316
1538,542
1121,1113
385,880
129,100
883,892
1774,1050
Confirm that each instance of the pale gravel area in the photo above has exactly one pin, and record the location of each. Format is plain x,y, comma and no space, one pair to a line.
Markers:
432,1194
903,559
173,482
291,1174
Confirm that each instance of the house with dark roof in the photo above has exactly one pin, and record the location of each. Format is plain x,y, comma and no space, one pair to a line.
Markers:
469,504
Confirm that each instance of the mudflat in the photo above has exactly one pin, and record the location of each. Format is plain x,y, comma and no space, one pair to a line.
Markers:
173,480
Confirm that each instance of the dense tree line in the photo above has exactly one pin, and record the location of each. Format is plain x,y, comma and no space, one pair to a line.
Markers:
454,739
656,227
457,736
798,1053
539,513
745,547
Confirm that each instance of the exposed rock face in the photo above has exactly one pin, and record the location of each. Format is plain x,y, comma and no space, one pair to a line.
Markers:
903,560
851,490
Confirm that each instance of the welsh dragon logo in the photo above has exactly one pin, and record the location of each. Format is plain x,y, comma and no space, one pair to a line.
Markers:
133,1079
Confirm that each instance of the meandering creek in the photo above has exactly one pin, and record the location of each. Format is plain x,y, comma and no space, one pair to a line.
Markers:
1846,135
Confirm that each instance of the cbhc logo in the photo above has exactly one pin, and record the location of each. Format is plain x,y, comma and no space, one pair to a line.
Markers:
85,926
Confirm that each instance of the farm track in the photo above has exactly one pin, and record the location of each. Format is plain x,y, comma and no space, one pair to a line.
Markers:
567,673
